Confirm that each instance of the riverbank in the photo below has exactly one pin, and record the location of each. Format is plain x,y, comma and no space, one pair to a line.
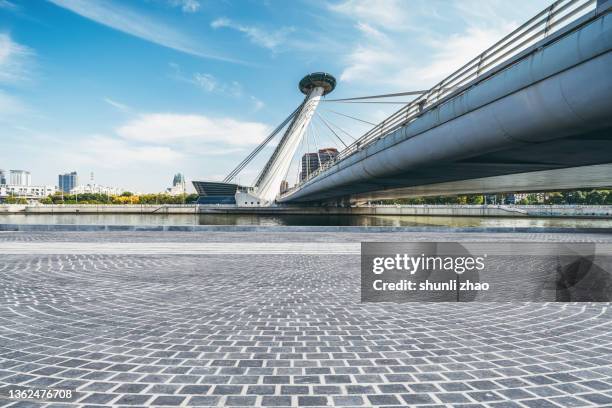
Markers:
570,211
298,229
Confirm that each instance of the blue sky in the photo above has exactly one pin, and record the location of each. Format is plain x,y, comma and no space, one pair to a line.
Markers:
135,91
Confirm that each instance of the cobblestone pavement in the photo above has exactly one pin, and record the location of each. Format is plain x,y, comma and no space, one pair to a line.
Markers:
281,330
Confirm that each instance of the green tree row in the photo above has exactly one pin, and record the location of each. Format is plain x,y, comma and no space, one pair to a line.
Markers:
460,199
125,198
572,197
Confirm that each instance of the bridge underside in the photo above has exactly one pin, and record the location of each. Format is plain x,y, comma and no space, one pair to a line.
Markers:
532,126
581,161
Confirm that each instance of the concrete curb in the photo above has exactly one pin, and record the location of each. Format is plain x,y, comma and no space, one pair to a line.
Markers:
260,228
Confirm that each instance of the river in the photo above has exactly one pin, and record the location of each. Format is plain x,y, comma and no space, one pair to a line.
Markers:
295,220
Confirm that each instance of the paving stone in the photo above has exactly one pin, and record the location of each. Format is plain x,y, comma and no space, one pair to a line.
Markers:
601,399
203,401
294,390
348,400
130,388
98,398
227,390
237,401
383,400
417,399
279,330
539,403
171,400
275,401
261,389
312,401
133,399
195,389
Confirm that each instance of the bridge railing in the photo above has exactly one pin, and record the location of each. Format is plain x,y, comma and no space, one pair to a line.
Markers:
556,16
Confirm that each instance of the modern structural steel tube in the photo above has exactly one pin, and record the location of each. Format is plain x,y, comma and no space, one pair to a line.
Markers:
269,184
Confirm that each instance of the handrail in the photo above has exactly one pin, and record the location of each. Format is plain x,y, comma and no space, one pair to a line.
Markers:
537,28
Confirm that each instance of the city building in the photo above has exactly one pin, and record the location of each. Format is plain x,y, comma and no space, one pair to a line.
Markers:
68,181
538,197
96,189
312,161
20,178
178,185
28,192
2,177
284,186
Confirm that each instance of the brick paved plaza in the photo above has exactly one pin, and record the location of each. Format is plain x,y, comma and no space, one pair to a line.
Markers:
276,325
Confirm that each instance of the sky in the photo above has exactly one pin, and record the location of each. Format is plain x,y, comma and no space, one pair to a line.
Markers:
136,91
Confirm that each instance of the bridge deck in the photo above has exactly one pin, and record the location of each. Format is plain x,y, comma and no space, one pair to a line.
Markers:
551,109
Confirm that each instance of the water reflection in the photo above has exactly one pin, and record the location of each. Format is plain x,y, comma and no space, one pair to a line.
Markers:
304,220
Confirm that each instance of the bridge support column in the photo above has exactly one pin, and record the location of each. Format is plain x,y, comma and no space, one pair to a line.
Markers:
274,172
268,186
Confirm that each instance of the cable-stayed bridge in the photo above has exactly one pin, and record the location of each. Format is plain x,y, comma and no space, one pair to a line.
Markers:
531,113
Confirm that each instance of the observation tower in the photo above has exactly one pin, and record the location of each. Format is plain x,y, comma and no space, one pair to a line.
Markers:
313,86
268,183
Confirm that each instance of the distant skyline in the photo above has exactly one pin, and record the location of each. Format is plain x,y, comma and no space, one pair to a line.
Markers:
138,91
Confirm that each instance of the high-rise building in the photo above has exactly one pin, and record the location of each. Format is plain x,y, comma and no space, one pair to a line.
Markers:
284,186
328,154
2,177
178,180
312,161
20,178
68,181
178,185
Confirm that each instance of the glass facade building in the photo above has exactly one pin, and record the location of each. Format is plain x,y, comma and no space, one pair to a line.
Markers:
68,181
312,161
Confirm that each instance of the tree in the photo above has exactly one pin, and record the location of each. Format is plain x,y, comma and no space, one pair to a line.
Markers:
554,198
475,199
15,200
596,197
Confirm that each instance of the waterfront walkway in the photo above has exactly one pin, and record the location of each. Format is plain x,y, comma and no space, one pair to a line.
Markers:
275,319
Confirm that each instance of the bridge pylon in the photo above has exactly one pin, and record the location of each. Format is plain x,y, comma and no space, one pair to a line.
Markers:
313,86
268,183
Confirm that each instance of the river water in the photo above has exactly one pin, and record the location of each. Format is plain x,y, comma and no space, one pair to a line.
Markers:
314,220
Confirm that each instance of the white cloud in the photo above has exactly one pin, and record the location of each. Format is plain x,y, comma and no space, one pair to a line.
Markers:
15,60
257,104
210,83
367,62
117,105
112,152
7,5
370,32
169,128
392,14
453,52
383,58
259,36
188,6
10,106
206,81
130,22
